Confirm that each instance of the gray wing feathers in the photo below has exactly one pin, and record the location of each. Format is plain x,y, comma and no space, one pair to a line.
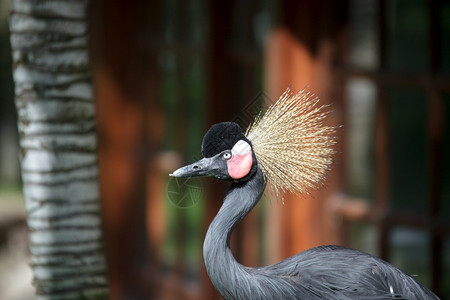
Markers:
333,272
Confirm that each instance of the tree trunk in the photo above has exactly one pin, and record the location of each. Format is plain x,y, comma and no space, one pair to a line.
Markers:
56,121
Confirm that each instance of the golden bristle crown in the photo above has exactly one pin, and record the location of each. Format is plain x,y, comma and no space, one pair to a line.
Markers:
292,143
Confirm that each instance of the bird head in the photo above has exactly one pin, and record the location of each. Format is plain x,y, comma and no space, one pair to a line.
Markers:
227,155
290,142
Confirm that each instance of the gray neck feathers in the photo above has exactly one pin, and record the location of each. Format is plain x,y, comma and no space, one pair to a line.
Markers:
225,272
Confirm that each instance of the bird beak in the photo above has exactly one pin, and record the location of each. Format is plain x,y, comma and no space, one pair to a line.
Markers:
204,167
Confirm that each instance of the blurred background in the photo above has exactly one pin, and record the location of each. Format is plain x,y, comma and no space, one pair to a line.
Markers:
164,71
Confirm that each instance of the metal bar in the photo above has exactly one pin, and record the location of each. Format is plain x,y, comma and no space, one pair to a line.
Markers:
355,209
435,137
423,81
381,141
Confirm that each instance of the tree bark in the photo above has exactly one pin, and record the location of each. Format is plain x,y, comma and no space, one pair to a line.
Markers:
56,122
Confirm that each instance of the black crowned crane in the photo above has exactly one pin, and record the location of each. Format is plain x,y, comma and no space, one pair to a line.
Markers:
290,149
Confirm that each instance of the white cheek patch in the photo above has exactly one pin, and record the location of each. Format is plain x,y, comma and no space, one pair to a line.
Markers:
241,148
241,161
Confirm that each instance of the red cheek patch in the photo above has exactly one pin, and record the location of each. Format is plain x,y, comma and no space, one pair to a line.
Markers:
240,165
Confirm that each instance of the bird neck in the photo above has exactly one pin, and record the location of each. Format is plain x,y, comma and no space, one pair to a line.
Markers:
222,268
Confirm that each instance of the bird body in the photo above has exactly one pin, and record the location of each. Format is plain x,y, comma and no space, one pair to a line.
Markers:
325,272
290,149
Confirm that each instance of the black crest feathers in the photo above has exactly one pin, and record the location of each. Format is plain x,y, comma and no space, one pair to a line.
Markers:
220,137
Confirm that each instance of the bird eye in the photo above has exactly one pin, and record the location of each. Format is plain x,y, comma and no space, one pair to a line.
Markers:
226,155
